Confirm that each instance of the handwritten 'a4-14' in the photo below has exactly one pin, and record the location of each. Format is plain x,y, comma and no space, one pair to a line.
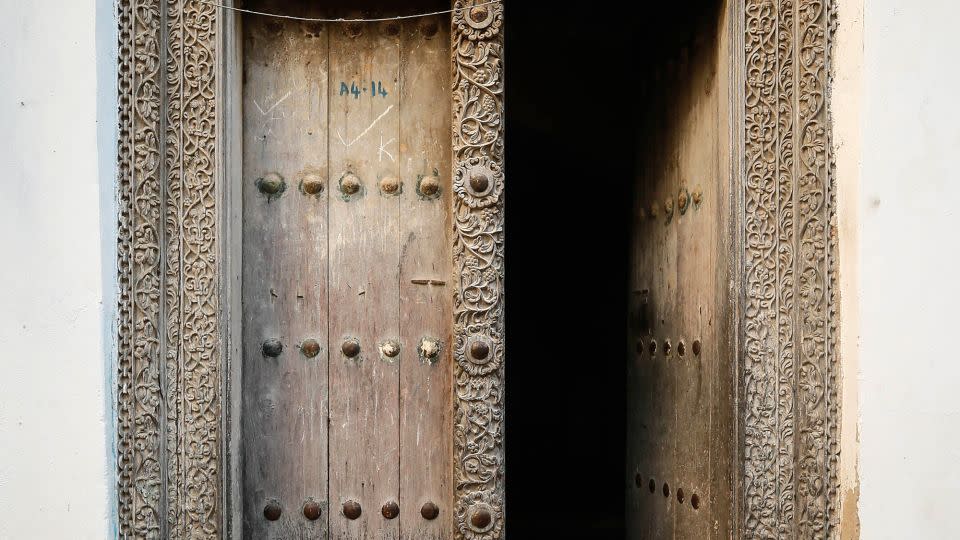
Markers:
376,89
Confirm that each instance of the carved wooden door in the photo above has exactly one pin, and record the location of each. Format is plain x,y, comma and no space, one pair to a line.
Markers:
294,362
346,374
680,432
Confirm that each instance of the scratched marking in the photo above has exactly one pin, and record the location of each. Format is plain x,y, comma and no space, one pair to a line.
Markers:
358,137
267,126
383,149
274,106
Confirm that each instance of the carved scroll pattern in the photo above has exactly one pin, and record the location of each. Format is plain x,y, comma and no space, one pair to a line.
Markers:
200,326
789,378
786,280
173,267
478,266
171,437
145,192
815,231
832,405
125,326
168,345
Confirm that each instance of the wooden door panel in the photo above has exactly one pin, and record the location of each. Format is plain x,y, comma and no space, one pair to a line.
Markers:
425,286
680,400
285,272
347,302
364,277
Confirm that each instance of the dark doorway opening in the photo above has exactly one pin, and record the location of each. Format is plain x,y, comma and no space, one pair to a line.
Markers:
575,84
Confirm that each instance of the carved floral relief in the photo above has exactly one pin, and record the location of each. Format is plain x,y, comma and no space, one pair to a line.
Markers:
170,361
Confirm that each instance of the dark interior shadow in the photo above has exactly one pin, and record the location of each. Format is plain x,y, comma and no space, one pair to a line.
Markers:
573,101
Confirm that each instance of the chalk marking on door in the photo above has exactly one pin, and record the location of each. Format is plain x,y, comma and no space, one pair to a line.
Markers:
267,126
275,105
345,143
383,149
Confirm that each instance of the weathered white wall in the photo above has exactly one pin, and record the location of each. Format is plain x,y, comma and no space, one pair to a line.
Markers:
909,292
845,107
57,214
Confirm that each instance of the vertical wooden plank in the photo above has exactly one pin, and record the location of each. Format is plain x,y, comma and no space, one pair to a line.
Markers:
724,465
285,277
686,434
231,137
679,436
699,291
662,274
668,309
364,274
425,287
666,279
640,392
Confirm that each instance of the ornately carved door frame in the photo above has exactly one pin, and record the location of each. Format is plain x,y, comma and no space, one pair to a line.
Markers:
177,271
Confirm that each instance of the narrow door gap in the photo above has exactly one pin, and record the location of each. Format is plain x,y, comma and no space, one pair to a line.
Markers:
404,347
330,187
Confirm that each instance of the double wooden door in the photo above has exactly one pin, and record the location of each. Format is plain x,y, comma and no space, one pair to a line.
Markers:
346,374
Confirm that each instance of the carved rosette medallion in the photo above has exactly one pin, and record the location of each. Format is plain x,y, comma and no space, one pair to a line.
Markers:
482,363
478,264
478,182
478,20
479,518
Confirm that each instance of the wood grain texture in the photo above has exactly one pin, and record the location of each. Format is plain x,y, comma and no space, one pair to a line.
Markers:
285,278
232,282
364,276
681,409
311,90
426,383
285,255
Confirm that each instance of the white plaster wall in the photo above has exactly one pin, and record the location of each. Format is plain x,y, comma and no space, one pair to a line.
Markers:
845,108
909,294
57,217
